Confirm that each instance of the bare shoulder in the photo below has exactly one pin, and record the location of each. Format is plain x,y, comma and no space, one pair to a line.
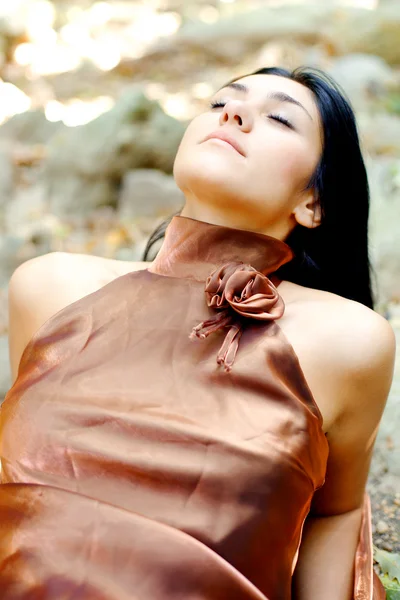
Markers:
48,283
363,358
354,335
347,330
42,286
78,274
346,350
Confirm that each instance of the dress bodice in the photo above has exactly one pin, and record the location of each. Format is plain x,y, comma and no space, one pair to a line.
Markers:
134,464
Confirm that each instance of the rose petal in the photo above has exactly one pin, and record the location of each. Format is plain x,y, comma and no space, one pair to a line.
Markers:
218,279
246,291
252,294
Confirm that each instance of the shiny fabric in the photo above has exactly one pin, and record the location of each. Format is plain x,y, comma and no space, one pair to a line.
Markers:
236,289
135,466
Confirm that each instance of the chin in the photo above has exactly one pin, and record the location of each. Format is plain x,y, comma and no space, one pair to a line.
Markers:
210,191
207,175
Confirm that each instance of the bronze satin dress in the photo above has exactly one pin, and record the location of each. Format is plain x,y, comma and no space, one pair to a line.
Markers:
137,467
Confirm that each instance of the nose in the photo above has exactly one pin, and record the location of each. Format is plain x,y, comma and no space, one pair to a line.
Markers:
236,112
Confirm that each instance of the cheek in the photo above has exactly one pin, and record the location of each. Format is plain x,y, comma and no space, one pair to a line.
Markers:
289,162
194,133
188,144
182,157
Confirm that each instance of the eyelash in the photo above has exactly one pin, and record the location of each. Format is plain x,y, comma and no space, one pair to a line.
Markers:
278,118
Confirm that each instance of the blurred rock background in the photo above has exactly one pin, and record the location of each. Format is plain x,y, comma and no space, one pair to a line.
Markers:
95,97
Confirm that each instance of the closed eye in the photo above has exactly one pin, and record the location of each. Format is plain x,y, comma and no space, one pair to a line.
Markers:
279,118
282,120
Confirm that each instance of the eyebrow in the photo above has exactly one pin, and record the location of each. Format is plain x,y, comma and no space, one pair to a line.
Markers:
280,96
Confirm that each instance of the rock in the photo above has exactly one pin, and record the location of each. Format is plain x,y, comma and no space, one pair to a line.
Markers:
342,30
6,174
5,370
381,527
134,254
10,246
230,38
148,193
29,127
25,209
363,77
85,164
3,310
374,32
387,546
384,180
394,313
69,191
385,466
380,133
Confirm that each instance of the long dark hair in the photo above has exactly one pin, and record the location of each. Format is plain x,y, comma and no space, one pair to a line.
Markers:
333,256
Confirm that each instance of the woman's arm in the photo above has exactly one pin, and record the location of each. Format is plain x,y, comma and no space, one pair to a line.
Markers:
325,568
362,363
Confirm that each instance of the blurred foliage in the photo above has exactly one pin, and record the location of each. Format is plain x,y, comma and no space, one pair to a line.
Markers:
389,564
392,103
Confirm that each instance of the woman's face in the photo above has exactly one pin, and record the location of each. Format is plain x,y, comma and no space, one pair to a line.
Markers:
277,125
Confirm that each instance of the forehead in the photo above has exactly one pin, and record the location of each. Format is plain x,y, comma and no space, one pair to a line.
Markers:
260,85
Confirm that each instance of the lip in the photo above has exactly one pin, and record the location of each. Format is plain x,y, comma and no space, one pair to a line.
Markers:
225,137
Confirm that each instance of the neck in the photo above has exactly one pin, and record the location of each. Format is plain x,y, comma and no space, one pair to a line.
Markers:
193,248
235,220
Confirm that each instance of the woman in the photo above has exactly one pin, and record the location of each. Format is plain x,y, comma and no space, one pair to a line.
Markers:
161,439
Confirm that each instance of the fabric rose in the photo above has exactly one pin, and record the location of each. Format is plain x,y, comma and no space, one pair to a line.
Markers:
237,289
246,290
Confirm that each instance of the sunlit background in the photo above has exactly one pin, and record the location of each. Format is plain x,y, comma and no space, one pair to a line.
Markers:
52,39
95,97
